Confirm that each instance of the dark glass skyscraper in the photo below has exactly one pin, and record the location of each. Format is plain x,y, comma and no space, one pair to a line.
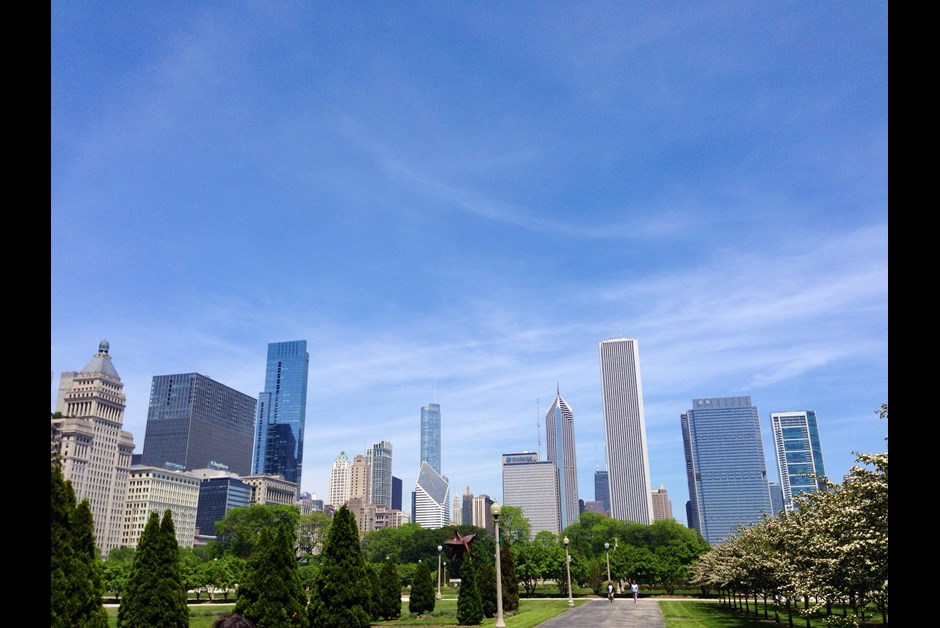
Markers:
194,421
724,459
282,409
431,436
602,489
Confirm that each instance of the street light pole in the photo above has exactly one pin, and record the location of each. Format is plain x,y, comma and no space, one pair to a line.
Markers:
495,510
607,551
439,548
568,569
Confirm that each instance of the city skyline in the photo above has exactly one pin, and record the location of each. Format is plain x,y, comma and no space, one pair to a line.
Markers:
458,202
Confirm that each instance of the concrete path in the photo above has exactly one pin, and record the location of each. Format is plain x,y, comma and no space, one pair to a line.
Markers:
623,613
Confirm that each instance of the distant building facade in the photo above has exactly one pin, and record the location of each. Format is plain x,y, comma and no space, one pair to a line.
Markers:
396,493
532,486
156,489
560,450
602,489
725,466
91,444
271,489
431,436
799,453
380,466
628,464
430,506
194,420
218,495
466,508
339,480
662,507
282,411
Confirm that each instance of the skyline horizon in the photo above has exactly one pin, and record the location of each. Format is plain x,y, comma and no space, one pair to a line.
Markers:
456,203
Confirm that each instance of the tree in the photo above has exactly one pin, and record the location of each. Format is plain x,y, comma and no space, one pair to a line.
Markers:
155,594
76,572
421,599
513,524
510,583
469,604
486,583
389,592
339,597
270,594
238,531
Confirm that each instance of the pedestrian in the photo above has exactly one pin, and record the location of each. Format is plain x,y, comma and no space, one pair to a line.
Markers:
234,620
610,592
635,590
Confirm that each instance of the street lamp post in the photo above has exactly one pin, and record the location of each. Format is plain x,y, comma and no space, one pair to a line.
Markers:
568,569
439,548
495,510
607,551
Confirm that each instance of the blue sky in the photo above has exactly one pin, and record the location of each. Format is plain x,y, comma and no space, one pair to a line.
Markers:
456,202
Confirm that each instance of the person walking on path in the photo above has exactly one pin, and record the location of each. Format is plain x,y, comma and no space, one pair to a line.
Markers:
610,592
635,590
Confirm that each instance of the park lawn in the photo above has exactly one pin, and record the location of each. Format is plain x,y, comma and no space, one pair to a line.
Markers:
695,614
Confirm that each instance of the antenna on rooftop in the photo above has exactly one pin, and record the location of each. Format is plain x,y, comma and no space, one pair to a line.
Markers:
538,428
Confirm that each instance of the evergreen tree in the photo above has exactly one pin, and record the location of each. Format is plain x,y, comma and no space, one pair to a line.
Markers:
507,568
389,592
375,598
421,599
76,570
486,583
138,604
172,585
339,597
270,593
469,605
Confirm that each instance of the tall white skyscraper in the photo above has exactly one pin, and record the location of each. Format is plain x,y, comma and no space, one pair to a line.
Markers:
430,506
628,464
560,450
339,480
380,464
94,450
431,436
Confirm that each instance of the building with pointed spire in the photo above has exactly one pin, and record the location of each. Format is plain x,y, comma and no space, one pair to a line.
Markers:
94,450
560,451
466,508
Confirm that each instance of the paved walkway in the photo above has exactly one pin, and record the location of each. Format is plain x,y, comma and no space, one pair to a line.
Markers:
623,613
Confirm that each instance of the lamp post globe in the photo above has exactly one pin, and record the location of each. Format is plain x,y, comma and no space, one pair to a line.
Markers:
500,623
568,570
607,552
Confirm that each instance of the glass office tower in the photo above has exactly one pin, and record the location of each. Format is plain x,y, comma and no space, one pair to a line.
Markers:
282,409
725,468
431,436
559,439
628,465
799,453
602,489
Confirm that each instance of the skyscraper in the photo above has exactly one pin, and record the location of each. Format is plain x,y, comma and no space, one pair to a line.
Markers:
194,421
218,495
339,480
532,485
602,489
94,450
282,409
662,506
799,453
380,466
466,508
360,479
431,436
396,493
725,468
430,506
628,464
560,450
482,517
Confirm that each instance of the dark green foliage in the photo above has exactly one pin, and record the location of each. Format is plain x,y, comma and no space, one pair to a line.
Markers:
76,571
389,592
155,593
507,568
340,596
373,598
270,593
469,605
486,583
421,599
238,531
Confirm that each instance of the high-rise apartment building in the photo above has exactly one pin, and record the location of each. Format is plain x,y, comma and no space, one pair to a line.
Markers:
194,421
482,517
430,506
799,453
662,506
431,436
360,479
560,451
380,465
154,489
282,410
466,508
94,450
724,459
628,464
532,485
339,480
602,489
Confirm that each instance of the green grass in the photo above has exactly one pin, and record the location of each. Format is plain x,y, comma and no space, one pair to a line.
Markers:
693,614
